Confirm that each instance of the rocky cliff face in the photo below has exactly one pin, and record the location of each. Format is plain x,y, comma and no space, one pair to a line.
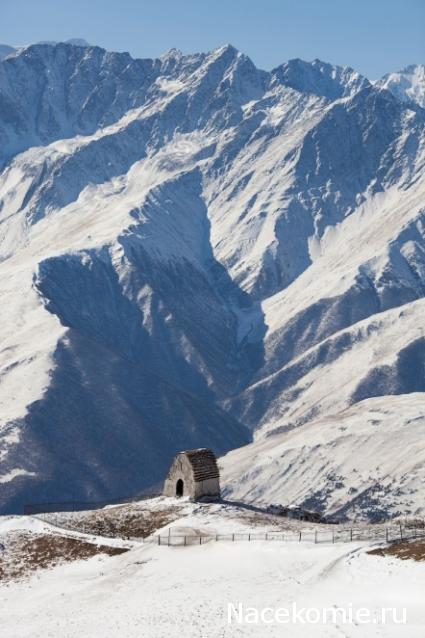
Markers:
193,250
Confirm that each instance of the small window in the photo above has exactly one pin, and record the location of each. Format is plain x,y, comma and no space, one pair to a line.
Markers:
179,488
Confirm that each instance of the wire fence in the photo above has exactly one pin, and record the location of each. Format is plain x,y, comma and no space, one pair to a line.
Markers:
393,534
390,533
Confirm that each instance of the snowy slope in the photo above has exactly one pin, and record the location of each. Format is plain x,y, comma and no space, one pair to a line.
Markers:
124,595
192,249
347,464
324,344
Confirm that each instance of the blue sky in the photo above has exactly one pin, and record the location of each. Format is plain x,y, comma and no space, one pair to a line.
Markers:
374,36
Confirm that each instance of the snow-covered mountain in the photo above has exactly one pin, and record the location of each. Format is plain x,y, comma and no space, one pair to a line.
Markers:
194,250
320,78
5,50
407,85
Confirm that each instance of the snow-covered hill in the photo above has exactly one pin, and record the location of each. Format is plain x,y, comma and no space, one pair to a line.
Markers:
193,249
95,590
347,464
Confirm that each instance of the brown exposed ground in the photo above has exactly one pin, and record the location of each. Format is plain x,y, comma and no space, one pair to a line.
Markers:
128,521
407,550
26,552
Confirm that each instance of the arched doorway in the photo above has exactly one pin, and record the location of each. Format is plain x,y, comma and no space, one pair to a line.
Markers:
179,487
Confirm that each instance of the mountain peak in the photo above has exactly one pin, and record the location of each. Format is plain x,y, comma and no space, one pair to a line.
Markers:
226,48
76,42
407,85
413,69
320,78
5,50
171,54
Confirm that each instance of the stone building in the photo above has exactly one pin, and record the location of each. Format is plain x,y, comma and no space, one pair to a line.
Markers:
193,473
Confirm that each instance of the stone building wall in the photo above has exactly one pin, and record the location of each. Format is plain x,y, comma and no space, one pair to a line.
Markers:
182,469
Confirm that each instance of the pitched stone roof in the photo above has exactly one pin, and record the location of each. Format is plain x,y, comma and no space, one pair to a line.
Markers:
204,464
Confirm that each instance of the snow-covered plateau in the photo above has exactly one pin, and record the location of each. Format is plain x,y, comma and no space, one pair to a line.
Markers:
195,252
210,589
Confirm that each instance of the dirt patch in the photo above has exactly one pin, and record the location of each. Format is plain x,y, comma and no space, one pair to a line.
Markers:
117,522
257,518
414,550
279,522
25,552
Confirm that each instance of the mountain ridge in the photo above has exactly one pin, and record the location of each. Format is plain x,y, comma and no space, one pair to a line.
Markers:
193,251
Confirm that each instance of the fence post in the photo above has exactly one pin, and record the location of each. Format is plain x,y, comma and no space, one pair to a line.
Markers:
351,533
267,536
233,537
300,536
249,537
333,536
159,539
200,540
185,541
